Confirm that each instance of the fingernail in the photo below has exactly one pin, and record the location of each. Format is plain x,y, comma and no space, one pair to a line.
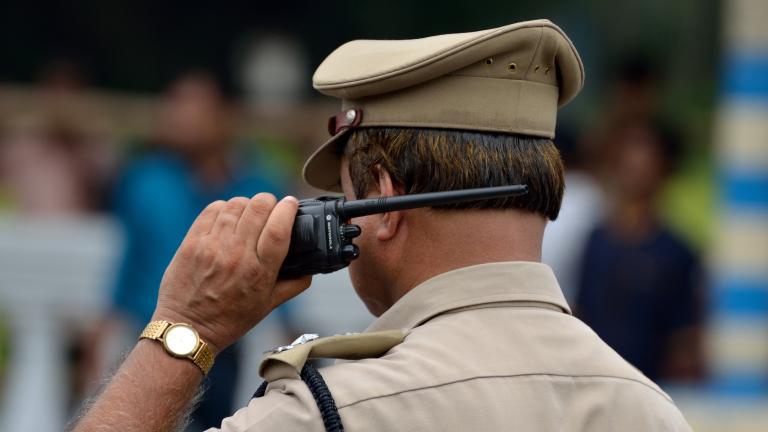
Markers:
291,198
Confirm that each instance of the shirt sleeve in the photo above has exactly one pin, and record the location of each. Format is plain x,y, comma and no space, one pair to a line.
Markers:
287,406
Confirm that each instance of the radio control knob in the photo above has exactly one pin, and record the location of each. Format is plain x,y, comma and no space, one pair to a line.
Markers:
350,231
350,252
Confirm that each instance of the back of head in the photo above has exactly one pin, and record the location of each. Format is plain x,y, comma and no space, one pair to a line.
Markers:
431,160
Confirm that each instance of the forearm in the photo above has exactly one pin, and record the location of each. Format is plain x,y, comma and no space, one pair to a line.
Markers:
221,282
150,392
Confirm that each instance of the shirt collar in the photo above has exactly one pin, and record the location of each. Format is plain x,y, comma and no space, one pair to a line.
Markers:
474,286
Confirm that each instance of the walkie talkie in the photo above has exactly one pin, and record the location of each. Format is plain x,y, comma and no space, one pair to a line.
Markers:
321,241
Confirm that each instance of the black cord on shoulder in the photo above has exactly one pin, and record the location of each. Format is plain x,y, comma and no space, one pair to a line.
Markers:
260,391
322,395
323,398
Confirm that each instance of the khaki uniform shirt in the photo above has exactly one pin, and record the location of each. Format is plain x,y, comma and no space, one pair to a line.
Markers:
490,347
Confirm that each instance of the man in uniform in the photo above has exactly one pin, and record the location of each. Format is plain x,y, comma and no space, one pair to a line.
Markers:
473,333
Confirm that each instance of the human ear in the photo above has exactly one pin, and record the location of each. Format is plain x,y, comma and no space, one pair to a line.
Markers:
389,222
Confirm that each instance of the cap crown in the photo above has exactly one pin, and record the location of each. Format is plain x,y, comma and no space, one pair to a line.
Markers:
510,79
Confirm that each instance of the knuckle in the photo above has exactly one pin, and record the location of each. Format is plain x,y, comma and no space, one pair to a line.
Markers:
253,272
275,235
187,249
227,219
267,198
237,202
216,205
262,204
207,255
234,204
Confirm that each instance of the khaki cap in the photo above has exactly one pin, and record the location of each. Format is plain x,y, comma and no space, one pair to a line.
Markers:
509,79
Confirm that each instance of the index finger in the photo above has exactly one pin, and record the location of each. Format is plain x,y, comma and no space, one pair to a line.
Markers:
254,217
202,225
275,238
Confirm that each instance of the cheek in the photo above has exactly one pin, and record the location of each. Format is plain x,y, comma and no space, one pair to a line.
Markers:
357,278
365,241
364,271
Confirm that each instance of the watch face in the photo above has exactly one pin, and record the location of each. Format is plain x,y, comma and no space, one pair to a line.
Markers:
181,339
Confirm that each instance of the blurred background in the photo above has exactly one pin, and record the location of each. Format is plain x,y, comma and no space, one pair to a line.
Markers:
119,122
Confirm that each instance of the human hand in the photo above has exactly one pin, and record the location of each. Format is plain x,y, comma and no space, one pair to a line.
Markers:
223,278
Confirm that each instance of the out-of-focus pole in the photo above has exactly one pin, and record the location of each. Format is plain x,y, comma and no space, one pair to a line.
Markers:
54,277
739,336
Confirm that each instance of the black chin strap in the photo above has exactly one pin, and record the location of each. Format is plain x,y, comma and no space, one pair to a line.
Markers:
322,395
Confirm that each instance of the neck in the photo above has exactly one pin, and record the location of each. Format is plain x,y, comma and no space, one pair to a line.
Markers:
441,241
634,218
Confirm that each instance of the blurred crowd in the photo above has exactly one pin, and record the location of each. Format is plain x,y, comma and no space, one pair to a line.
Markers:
625,271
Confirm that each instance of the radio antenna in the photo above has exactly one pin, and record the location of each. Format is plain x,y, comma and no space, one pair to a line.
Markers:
364,207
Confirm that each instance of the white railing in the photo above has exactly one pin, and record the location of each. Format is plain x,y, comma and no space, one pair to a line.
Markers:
53,271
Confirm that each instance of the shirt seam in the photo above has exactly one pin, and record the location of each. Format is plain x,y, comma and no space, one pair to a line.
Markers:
632,380
502,304
442,308
527,297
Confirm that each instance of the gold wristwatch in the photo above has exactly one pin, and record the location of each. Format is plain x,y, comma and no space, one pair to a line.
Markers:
182,341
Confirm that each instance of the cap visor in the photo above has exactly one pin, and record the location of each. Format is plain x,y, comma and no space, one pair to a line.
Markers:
323,168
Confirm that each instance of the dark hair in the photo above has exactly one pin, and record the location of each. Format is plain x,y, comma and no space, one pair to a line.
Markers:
431,160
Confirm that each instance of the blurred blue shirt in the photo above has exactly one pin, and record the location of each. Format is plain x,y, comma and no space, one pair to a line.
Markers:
636,294
156,199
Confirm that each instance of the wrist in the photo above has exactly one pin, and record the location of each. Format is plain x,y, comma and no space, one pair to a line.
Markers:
202,329
155,356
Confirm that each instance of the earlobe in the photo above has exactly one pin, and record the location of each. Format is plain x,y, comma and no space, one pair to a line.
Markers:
389,222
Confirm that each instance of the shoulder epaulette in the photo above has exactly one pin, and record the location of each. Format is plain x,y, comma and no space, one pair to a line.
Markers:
288,361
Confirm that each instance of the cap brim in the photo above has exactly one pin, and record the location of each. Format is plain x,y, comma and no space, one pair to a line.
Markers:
323,168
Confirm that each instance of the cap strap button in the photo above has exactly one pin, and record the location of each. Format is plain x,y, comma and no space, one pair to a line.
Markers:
346,119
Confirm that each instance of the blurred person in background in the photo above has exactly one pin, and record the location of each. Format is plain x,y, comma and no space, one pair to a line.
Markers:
634,97
639,282
582,207
54,157
192,162
45,167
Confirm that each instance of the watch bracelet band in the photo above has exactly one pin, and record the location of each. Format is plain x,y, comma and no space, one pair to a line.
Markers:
154,330
202,357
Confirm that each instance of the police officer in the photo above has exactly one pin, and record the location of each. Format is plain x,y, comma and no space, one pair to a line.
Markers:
473,333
